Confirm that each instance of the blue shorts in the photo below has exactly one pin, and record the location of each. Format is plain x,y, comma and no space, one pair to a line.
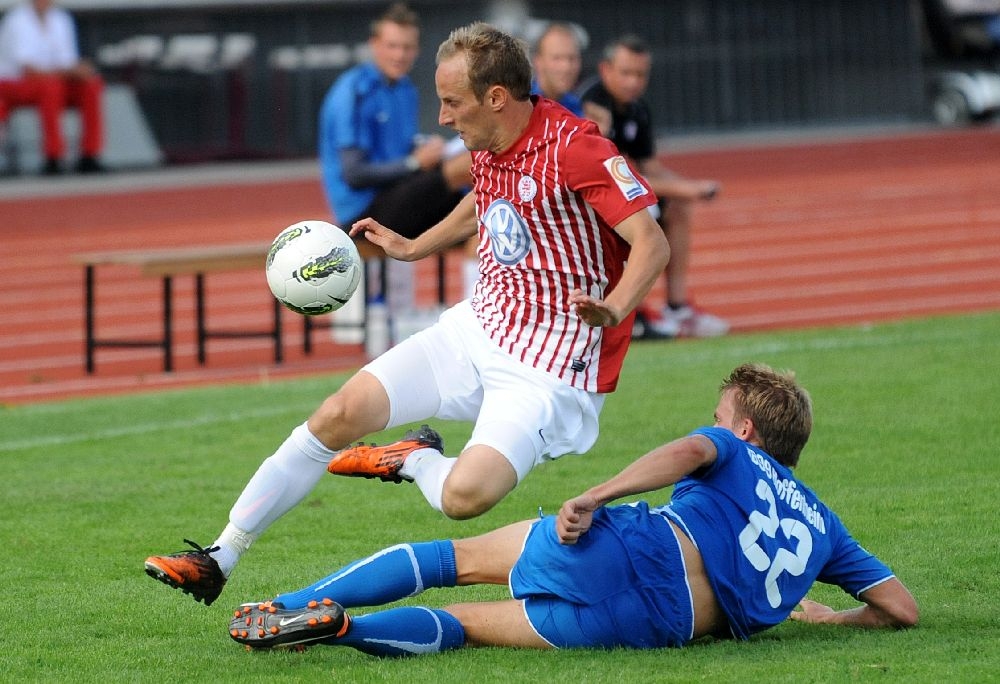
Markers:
622,584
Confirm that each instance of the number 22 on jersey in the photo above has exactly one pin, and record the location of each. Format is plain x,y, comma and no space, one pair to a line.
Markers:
785,560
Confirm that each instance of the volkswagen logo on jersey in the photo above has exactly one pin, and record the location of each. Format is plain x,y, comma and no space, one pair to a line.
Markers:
622,174
508,232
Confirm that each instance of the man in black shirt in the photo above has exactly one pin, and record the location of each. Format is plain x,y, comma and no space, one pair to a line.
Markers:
615,102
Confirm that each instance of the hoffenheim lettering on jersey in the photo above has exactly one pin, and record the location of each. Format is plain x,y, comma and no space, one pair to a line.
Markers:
788,492
622,175
509,233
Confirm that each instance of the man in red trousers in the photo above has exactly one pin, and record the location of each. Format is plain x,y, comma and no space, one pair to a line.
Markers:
40,66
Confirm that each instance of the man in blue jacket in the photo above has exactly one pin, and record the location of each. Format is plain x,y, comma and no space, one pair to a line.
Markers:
374,160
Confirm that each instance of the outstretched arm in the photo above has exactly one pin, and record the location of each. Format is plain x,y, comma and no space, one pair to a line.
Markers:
666,183
661,467
889,604
460,224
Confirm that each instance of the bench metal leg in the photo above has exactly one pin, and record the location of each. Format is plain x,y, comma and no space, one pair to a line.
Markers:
168,325
90,324
203,333
276,333
307,335
88,315
199,315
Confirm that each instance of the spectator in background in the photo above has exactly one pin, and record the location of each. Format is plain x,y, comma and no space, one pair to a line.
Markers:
40,66
556,61
615,102
374,161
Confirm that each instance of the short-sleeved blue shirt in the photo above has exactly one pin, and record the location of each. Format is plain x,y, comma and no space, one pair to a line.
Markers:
363,110
764,536
570,100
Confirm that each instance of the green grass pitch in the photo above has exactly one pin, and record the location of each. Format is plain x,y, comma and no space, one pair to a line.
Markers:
906,447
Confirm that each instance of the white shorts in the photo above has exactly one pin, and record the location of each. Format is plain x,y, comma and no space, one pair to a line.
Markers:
453,371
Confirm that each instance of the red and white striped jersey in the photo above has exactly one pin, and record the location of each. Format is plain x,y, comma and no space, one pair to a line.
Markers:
546,207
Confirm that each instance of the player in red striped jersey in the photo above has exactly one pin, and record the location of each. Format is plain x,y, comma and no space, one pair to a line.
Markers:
567,251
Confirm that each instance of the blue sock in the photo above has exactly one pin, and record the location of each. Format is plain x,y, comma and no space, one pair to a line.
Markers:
389,575
408,630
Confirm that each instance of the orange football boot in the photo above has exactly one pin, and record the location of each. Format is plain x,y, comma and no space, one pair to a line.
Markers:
384,462
193,572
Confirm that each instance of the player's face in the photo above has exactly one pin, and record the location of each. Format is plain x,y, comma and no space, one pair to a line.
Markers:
460,109
394,49
557,64
725,415
627,75
725,411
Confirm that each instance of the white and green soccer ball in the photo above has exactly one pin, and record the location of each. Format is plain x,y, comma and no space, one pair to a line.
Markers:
313,267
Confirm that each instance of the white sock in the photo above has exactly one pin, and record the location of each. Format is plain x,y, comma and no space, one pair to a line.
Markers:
470,276
279,484
232,543
428,469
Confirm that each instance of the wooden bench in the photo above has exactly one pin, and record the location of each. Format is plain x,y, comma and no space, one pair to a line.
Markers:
166,263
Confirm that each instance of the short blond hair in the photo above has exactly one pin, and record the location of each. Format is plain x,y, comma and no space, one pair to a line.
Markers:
493,58
780,409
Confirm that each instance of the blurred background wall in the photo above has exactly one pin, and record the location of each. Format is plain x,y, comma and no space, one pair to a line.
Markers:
231,79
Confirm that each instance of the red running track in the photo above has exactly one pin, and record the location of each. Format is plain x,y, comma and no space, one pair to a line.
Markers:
802,235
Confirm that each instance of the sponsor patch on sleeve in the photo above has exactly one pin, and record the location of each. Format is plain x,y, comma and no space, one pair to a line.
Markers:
624,178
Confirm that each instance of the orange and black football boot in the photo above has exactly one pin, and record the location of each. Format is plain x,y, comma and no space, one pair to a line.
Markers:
384,462
193,572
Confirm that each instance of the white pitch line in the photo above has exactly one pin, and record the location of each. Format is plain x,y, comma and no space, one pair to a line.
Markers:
863,336
76,437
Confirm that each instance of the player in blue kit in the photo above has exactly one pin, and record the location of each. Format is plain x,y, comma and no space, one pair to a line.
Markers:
733,553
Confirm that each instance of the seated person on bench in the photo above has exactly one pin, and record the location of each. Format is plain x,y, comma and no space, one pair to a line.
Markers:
40,66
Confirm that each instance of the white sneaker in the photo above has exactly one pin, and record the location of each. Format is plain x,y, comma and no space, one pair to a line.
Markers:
692,322
650,324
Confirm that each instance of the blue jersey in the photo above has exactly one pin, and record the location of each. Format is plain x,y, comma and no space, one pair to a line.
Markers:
363,110
764,536
570,100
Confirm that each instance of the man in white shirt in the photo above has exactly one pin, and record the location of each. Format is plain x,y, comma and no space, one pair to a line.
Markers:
40,66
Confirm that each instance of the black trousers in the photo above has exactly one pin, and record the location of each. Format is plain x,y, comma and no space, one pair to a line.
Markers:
413,204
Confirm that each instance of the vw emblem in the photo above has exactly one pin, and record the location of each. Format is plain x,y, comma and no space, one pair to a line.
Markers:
508,232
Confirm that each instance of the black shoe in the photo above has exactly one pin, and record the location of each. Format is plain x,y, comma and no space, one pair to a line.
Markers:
89,165
270,625
193,572
51,168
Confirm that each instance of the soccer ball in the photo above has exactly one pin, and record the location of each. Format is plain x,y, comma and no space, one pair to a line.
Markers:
313,267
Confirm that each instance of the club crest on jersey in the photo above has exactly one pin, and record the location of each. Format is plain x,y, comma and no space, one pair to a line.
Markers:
623,177
527,188
508,232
